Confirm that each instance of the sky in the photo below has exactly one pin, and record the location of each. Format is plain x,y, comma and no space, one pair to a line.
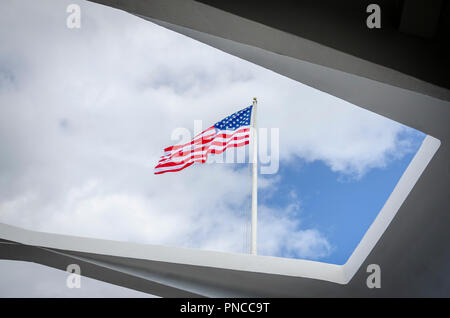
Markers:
85,114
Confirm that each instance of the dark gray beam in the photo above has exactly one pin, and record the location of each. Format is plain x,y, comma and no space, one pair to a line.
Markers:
99,271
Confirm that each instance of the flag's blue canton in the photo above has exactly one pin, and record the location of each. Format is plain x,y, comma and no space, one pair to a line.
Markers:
236,120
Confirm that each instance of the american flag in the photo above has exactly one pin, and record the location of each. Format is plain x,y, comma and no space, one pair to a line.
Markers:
232,131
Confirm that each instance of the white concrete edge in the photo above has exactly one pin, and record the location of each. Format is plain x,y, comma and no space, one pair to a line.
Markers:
341,274
177,255
429,147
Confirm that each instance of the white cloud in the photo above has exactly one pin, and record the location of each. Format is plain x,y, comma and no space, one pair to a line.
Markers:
85,115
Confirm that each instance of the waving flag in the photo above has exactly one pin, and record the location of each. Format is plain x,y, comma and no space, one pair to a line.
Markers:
233,131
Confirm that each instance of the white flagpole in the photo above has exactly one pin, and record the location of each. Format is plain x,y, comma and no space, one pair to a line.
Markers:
254,181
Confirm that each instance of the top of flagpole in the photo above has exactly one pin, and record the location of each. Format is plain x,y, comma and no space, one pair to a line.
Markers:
254,112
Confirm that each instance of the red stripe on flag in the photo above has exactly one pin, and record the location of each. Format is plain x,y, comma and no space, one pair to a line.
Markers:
211,142
195,158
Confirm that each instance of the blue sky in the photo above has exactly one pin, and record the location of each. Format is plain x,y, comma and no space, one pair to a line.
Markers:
85,114
339,206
